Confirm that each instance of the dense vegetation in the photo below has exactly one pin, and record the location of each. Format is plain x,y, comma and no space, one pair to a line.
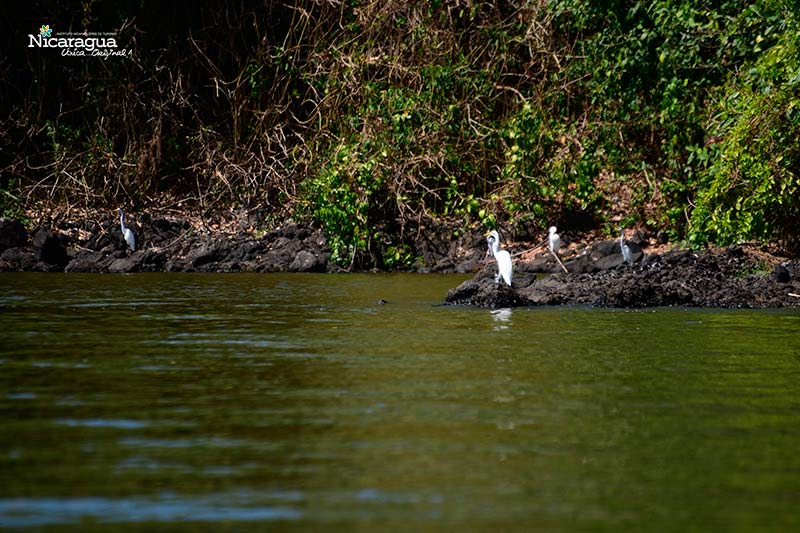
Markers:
373,118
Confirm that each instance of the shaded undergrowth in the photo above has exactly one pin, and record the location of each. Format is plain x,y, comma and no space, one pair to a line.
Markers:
374,118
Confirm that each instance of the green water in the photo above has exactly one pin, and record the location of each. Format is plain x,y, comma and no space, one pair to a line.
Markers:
298,402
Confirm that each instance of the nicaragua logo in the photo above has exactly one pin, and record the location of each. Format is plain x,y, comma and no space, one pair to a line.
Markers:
76,44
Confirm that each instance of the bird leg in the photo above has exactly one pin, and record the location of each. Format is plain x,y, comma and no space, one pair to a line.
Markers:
559,261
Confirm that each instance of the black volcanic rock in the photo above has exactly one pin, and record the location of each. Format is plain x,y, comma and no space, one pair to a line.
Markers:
781,274
482,291
708,278
12,234
49,248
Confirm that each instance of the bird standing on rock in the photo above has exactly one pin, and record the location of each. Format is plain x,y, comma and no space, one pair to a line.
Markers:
554,240
504,266
126,232
627,254
554,243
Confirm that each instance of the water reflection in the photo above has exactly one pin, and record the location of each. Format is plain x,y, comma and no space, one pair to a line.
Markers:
501,318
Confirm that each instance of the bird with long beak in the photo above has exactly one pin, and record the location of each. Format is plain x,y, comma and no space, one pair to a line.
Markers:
127,233
505,267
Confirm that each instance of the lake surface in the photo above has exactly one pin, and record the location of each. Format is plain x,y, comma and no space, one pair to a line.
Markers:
242,401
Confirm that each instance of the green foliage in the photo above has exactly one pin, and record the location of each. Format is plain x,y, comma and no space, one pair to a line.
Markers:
10,203
546,169
339,199
374,116
642,79
399,256
751,187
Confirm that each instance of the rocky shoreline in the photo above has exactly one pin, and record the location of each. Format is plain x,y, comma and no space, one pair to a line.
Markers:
731,277
735,277
163,245
173,244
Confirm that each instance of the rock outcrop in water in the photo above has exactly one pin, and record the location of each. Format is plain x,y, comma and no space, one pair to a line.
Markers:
724,278
483,291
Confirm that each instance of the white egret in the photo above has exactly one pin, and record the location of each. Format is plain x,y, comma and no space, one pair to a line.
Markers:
627,254
554,243
126,232
504,266
554,240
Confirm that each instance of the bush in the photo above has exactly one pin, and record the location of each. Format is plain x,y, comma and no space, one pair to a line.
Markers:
371,116
750,190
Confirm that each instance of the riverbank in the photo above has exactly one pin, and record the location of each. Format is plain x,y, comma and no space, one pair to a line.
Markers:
94,243
740,276
163,244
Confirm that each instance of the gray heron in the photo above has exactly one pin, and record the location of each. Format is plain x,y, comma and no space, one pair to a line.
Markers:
627,254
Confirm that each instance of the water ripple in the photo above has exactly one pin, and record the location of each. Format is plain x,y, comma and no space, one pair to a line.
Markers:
37,512
102,423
